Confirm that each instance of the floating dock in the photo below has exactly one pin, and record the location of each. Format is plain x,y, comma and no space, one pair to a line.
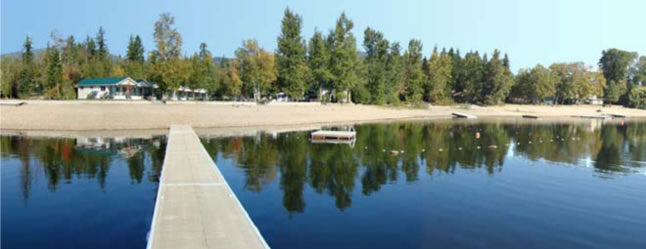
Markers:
195,207
463,115
325,135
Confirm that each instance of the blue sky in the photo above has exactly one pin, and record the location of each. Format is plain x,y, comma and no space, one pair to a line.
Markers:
530,31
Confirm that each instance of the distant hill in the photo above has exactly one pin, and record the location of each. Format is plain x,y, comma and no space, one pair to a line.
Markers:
18,54
37,53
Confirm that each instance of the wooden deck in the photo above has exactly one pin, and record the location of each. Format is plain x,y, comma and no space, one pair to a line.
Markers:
195,206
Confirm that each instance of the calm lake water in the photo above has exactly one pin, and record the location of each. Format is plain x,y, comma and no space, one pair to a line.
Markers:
78,193
545,185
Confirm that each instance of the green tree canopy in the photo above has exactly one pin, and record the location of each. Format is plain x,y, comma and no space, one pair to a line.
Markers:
413,74
258,68
291,56
376,60
440,74
614,63
344,58
319,62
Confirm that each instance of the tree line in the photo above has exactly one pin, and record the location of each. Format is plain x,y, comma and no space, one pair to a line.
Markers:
328,67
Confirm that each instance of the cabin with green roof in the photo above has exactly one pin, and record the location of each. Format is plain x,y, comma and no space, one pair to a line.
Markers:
119,88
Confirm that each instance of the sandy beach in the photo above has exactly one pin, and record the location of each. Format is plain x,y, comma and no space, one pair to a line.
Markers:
93,116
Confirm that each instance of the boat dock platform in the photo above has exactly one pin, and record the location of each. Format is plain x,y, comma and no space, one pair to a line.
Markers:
334,135
463,115
195,207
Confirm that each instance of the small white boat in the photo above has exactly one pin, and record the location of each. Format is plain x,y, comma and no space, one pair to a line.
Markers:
463,115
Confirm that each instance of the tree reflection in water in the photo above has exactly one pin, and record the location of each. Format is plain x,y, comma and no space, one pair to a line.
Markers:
66,159
438,147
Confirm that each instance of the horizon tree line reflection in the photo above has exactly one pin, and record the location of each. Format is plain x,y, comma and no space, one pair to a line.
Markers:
62,160
437,147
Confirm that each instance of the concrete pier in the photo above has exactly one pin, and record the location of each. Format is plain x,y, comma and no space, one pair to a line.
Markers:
195,206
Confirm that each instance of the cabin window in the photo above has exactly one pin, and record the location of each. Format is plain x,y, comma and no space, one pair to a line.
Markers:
103,88
81,88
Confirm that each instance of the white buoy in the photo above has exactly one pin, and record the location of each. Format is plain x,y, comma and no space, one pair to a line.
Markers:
459,148
440,149
477,147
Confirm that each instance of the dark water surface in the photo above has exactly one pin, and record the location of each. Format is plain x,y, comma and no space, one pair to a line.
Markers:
580,185
552,185
78,193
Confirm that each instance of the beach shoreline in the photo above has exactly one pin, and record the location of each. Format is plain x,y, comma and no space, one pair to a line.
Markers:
116,115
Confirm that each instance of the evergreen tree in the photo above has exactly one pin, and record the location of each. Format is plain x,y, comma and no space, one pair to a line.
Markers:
376,61
204,51
135,51
439,77
27,83
473,72
205,73
290,56
134,65
102,47
458,75
319,60
395,71
413,75
498,81
70,52
54,78
90,46
344,58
